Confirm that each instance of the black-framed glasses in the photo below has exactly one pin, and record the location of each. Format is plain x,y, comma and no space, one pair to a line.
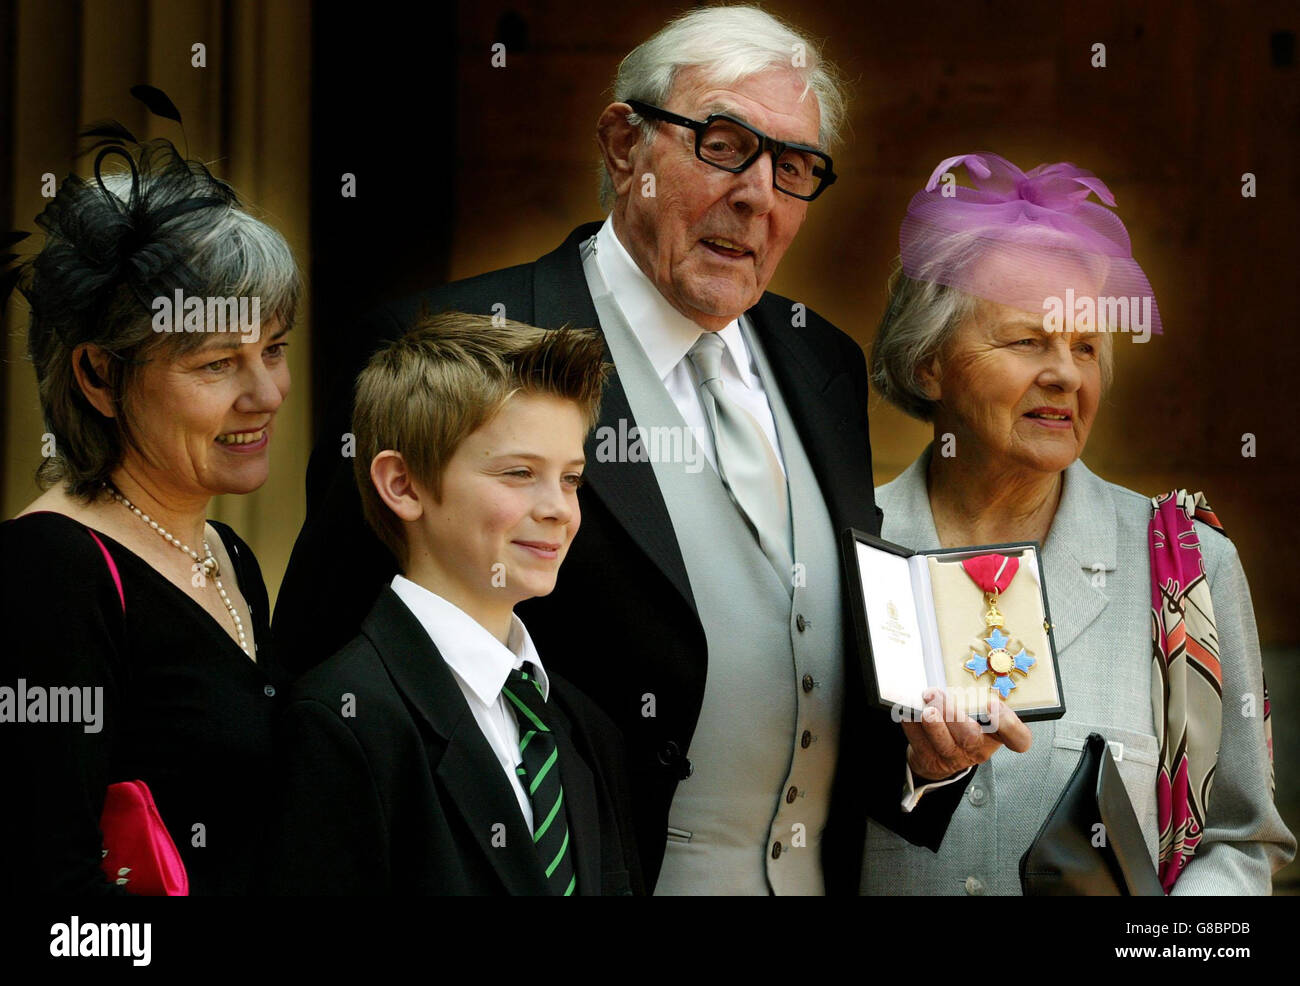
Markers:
728,144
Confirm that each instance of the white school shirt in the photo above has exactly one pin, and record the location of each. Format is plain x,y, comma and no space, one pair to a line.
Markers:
481,665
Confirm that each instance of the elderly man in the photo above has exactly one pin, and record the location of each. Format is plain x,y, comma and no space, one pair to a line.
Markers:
702,605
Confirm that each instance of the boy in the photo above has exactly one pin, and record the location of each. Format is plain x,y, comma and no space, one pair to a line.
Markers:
434,753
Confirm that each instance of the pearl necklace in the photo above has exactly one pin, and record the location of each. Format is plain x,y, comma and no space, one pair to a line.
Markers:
210,565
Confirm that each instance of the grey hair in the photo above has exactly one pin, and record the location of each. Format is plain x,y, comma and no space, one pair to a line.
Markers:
226,251
920,320
729,43
234,254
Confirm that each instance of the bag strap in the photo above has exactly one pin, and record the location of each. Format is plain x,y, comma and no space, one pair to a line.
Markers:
112,568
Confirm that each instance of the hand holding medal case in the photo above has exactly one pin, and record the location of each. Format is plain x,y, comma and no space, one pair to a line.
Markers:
971,621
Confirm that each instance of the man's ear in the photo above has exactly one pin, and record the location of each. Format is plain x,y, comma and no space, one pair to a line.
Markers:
90,367
618,139
392,481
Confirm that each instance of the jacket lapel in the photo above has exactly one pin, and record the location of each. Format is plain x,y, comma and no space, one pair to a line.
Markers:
467,767
1080,548
581,808
812,394
628,489
908,521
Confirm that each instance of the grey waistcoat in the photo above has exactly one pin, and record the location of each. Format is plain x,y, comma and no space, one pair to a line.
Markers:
749,820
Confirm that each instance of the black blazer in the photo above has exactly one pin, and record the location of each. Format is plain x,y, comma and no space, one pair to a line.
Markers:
405,796
621,622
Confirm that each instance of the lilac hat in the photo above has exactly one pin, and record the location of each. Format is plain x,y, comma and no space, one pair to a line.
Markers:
1029,240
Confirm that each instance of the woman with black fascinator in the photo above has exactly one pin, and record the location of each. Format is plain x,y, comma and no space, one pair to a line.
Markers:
138,671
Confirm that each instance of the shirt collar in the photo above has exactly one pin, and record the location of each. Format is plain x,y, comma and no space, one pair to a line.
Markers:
665,334
477,658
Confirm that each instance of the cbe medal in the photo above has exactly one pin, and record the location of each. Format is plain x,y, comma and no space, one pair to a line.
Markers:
993,574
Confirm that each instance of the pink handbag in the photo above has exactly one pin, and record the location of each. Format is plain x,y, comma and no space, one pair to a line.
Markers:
138,850
139,853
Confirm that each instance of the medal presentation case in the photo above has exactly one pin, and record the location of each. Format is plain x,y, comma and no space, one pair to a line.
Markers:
966,620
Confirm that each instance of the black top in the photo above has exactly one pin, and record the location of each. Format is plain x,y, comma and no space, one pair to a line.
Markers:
394,790
184,709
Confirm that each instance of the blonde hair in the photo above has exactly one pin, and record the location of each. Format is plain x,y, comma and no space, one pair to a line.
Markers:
425,393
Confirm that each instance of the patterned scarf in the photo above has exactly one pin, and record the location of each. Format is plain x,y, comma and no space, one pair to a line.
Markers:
1186,679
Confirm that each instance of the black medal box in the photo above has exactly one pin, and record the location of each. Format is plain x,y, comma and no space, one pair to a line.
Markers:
922,622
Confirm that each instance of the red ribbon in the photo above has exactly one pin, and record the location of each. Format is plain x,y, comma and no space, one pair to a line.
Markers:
992,573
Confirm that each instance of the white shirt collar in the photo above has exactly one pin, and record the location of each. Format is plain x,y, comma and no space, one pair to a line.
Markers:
472,653
665,334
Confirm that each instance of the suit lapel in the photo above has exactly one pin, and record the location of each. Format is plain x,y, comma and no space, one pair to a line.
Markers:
580,800
560,295
472,776
467,767
812,395
627,489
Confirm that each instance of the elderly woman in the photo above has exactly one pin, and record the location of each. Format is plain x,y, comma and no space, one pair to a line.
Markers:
978,340
114,583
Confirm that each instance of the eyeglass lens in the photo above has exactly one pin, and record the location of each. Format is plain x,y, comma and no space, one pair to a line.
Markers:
729,146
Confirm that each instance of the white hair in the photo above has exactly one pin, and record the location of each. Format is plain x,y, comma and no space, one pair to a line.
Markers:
921,318
729,44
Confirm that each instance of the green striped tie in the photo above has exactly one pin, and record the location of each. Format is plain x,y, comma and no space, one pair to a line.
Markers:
540,774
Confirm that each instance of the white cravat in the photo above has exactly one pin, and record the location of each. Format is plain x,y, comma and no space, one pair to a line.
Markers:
666,336
480,664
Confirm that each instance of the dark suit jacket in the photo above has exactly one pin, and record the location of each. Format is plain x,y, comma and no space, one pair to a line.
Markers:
622,622
405,796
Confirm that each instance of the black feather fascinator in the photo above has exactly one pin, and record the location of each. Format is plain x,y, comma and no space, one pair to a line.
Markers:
120,230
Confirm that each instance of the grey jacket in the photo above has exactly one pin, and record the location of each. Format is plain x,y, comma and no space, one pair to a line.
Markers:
1097,571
